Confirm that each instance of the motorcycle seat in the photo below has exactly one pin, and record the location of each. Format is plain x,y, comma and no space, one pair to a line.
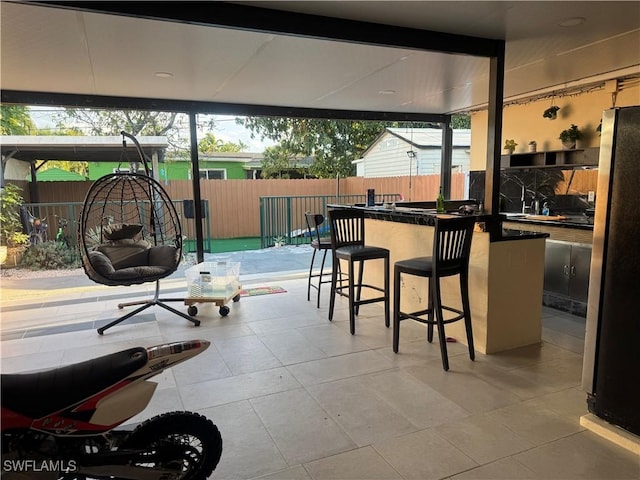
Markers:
41,393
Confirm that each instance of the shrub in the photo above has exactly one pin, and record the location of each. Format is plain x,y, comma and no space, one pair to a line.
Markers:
49,256
10,224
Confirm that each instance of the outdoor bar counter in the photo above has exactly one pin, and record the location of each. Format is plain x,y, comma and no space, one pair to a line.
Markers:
506,272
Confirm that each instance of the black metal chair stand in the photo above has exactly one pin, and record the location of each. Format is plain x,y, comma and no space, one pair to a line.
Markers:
319,244
347,243
451,250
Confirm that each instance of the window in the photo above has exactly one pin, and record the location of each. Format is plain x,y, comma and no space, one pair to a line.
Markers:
213,174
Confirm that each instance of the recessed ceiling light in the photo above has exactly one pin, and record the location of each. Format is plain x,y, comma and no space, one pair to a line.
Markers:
386,92
572,22
163,74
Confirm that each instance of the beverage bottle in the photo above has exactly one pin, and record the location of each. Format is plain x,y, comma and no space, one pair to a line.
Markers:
440,202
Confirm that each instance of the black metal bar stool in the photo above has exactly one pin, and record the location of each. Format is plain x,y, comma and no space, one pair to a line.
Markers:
451,250
319,244
347,243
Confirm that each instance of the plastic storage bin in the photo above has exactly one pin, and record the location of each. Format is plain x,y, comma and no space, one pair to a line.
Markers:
213,279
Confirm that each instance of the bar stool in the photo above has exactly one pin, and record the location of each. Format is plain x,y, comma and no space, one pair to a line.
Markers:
347,243
319,244
451,249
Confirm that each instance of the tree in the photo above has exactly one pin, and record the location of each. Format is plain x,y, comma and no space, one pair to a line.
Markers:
460,122
277,162
135,122
334,144
15,120
211,144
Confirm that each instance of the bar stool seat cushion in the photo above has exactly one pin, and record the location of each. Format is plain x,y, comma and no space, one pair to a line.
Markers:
423,267
357,253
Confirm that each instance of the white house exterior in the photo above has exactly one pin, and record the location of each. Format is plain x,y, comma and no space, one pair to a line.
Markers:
387,156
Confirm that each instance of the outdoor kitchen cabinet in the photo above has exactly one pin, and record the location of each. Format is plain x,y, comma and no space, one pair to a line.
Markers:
566,271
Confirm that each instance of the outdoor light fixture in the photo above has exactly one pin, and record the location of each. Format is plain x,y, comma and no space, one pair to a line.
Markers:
411,154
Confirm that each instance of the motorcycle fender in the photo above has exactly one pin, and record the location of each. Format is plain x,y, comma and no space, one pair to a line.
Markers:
123,404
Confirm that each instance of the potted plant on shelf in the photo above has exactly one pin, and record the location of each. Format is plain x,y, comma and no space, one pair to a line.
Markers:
532,146
509,146
569,136
551,113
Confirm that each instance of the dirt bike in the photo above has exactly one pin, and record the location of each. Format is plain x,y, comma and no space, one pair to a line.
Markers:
60,423
35,227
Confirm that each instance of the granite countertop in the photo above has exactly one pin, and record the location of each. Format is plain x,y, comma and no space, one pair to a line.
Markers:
426,216
566,221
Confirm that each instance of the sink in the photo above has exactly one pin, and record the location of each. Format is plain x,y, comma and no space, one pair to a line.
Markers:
545,217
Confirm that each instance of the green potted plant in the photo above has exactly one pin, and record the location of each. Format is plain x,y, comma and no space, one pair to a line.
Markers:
13,241
279,241
569,136
532,146
509,146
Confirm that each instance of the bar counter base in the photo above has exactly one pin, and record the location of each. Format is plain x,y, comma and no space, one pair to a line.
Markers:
505,283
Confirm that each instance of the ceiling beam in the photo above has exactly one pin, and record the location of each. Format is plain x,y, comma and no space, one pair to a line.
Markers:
259,19
186,106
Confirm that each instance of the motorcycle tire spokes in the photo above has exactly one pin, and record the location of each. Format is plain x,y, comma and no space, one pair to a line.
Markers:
183,442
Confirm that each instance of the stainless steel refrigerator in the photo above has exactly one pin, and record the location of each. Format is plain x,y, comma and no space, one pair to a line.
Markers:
611,370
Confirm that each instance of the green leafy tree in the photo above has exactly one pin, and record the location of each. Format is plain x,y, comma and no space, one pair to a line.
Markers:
333,144
211,144
460,122
15,120
10,224
278,162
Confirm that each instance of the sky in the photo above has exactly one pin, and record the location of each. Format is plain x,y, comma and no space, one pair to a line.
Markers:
225,128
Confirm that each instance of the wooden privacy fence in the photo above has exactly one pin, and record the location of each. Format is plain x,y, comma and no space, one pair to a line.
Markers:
234,205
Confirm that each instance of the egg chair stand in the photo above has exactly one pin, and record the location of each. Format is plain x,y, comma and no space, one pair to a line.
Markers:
130,234
156,300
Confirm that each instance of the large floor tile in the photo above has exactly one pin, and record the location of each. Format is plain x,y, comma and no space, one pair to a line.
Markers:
504,469
424,455
363,463
239,387
246,354
366,417
538,425
417,402
483,439
335,368
582,456
301,429
463,388
332,340
291,347
297,472
247,449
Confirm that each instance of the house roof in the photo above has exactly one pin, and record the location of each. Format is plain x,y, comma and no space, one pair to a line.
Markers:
78,148
431,137
421,138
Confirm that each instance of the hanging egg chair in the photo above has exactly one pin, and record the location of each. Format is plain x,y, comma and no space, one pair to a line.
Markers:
130,234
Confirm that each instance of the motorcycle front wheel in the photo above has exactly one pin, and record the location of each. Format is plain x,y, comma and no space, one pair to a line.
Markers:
198,442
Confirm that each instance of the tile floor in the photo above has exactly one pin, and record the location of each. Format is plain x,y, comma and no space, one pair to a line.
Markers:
297,397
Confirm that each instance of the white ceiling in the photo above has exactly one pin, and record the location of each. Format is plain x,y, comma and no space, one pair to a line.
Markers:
47,49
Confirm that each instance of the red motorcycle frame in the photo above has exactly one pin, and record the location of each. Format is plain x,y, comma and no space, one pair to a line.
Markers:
65,418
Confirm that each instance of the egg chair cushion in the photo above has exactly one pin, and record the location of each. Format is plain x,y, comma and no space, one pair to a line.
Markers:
122,262
121,231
